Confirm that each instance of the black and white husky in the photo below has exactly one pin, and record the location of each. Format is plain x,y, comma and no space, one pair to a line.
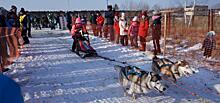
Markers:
136,81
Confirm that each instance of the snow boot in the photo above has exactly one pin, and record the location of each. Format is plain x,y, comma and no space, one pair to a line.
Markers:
143,47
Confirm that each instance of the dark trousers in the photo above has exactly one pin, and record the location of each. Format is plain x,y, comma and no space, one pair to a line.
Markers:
111,32
134,42
74,44
156,46
24,36
29,32
69,26
208,52
117,38
124,40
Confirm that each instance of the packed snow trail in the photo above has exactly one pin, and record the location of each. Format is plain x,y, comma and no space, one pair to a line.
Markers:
48,72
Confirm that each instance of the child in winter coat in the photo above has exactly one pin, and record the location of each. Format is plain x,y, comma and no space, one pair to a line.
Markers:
75,32
143,30
133,32
209,44
116,28
123,30
100,22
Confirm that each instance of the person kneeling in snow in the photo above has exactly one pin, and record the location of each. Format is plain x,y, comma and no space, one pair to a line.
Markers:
209,44
75,32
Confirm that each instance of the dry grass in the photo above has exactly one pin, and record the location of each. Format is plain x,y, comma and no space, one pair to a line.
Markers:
195,33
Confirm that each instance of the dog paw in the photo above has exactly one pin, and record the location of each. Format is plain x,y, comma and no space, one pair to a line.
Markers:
125,94
134,97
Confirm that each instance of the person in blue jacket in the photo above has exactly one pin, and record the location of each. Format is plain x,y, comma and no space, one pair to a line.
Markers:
10,91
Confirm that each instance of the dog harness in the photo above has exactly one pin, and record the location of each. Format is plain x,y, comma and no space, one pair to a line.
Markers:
134,72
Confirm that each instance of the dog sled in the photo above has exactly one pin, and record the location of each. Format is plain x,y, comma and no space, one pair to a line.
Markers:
83,47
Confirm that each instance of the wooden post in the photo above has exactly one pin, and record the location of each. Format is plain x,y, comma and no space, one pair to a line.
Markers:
209,14
165,33
169,23
212,18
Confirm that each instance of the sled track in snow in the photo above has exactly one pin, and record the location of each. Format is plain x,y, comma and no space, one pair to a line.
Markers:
48,72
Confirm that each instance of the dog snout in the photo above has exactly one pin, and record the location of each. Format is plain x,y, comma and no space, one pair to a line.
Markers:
164,89
193,72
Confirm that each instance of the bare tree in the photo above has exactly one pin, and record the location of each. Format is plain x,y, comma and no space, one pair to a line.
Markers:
134,5
143,5
156,7
116,7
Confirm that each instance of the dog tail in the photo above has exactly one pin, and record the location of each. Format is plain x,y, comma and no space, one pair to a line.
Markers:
121,74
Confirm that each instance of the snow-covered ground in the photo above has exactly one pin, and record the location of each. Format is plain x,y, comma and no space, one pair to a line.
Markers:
48,72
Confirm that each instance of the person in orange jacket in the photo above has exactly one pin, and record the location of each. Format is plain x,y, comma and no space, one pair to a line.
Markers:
116,28
143,30
100,22
75,32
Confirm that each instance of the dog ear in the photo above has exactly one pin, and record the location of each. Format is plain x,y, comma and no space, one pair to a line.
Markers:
154,77
183,63
179,62
152,73
158,77
128,67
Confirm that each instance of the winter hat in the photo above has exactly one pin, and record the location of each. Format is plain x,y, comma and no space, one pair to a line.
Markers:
22,11
123,15
155,17
135,18
211,33
156,13
83,21
109,7
78,21
13,8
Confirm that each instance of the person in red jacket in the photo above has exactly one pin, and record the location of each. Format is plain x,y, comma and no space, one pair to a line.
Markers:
116,28
100,21
75,32
143,30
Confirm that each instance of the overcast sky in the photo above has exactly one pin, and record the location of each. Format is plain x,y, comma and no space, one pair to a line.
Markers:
87,4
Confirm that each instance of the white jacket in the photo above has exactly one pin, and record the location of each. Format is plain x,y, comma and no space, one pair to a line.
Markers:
123,26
